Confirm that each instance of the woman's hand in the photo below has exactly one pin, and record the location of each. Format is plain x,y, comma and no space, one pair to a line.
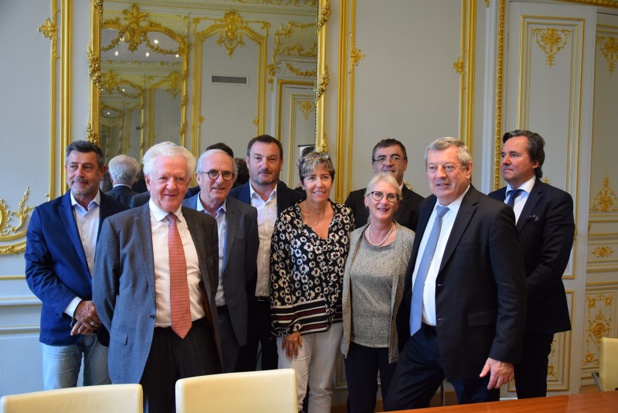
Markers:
291,343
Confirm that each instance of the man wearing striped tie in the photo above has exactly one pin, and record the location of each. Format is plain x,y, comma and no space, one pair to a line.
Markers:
156,278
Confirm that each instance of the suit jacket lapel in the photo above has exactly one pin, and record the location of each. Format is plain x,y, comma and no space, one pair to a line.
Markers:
65,209
231,228
144,233
465,214
533,199
405,195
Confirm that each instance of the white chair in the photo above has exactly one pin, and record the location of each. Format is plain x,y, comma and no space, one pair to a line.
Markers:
607,378
125,398
269,391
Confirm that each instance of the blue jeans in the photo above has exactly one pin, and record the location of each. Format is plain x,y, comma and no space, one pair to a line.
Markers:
61,364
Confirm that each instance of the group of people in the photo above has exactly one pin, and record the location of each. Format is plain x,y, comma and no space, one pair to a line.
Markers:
226,279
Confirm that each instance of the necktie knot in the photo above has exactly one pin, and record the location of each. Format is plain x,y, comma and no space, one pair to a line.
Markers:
171,218
513,194
441,211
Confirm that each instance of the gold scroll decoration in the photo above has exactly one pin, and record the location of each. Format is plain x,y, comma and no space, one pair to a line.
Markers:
609,48
12,225
551,41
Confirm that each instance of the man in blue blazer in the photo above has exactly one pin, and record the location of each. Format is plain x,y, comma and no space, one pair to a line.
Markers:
59,257
159,334
464,320
238,249
270,197
545,226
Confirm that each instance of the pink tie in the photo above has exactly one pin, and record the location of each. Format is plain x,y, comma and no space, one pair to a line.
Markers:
179,289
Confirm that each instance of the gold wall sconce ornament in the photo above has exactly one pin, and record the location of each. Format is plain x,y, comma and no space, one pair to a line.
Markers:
551,41
609,49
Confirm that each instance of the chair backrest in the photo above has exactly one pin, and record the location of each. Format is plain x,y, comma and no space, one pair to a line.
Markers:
126,398
608,363
265,391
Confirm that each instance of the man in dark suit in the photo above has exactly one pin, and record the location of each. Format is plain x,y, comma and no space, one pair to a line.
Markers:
545,225
270,197
156,280
463,311
389,155
123,171
59,256
238,248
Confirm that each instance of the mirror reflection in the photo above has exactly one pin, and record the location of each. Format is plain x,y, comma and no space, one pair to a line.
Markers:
208,71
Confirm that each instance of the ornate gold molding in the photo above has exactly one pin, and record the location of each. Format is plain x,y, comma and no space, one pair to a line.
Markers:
355,57
296,41
605,200
94,68
324,13
609,48
604,3
499,94
603,252
459,66
50,30
10,232
306,108
295,3
301,73
322,83
551,41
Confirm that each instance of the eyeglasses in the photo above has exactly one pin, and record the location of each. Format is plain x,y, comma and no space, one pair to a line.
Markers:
312,156
390,197
214,175
383,158
448,168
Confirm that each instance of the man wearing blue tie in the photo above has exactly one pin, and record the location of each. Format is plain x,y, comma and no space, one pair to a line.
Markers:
463,310
545,227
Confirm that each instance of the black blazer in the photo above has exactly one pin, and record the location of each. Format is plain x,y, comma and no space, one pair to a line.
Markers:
480,287
546,229
122,193
406,214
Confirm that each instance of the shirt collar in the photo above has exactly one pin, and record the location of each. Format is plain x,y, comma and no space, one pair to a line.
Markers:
96,200
159,214
200,206
255,195
454,206
526,186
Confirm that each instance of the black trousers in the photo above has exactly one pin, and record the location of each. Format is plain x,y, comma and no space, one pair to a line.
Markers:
172,358
531,372
260,335
419,373
361,370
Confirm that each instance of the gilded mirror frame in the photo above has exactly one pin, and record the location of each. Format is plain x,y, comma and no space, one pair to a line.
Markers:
96,87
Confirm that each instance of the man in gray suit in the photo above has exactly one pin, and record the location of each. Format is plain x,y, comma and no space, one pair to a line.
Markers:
238,249
156,269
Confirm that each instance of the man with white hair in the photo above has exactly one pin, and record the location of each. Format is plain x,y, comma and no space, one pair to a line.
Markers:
156,281
123,171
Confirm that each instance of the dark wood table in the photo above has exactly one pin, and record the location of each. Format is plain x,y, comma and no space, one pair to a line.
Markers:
601,402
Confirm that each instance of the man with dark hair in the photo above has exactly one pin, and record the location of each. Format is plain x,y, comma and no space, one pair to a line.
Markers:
270,197
545,225
463,309
124,171
238,248
60,247
389,155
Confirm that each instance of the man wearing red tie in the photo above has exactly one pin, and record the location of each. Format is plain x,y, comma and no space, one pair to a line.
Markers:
156,281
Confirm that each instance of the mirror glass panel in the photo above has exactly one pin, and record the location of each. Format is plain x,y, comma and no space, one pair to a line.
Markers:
200,72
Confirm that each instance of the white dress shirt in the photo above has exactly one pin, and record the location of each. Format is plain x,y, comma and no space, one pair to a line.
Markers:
429,291
521,199
161,256
267,216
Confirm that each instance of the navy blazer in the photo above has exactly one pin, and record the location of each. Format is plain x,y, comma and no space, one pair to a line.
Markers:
56,266
406,214
239,272
546,229
480,287
122,193
286,197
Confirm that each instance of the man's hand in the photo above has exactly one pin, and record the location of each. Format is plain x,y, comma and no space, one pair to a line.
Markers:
500,373
291,344
87,319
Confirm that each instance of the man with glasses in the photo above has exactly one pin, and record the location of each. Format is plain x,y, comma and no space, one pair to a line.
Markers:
238,248
463,309
545,226
390,156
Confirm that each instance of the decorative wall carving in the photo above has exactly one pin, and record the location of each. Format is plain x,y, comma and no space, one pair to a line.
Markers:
355,57
603,252
551,41
609,48
600,321
12,225
605,200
